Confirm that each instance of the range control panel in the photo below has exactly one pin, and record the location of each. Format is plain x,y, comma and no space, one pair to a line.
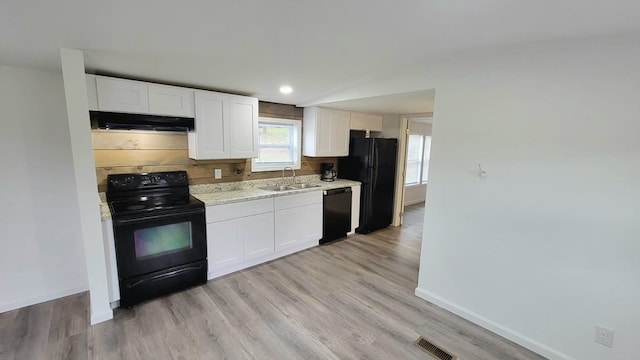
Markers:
119,182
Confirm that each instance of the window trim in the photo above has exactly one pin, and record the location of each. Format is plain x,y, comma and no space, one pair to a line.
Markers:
297,146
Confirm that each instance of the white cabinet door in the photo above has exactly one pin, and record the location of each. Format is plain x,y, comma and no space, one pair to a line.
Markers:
239,235
295,228
326,132
211,137
258,235
243,127
224,242
119,95
170,100
364,121
340,126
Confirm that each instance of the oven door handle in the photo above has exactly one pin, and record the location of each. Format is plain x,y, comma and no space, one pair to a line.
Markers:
164,276
156,217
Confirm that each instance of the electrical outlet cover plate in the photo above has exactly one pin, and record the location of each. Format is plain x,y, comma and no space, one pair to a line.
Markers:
604,336
217,173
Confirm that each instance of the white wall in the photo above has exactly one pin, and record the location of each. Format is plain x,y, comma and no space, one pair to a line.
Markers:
75,88
548,244
42,253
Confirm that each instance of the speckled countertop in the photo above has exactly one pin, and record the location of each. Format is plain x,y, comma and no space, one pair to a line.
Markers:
232,192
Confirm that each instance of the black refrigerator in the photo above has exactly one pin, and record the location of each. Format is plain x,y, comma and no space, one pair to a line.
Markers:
372,161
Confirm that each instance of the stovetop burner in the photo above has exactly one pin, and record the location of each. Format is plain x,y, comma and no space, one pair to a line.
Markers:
144,204
131,195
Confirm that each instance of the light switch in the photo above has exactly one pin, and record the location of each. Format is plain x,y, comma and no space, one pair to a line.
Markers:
217,173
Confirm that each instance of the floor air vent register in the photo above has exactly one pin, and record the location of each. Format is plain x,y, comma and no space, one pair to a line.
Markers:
433,350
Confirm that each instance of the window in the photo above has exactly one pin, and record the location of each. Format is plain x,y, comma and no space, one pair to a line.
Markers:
418,154
278,145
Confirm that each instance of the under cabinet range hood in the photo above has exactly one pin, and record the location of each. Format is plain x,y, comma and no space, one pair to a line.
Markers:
123,121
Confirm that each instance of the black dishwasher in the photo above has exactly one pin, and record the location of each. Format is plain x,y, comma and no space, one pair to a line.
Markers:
336,215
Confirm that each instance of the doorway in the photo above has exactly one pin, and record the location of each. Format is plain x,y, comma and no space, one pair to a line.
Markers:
414,154
417,160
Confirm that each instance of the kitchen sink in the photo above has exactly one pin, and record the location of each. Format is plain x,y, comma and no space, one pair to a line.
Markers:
297,186
302,186
276,188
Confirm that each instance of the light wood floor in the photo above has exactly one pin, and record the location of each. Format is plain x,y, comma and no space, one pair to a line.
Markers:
351,299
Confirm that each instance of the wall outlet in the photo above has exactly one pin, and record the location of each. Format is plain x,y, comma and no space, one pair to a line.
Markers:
217,173
604,336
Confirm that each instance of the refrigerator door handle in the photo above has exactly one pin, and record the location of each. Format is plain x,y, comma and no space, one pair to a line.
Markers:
375,156
374,180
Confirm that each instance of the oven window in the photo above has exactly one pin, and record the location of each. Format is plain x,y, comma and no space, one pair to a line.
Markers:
162,240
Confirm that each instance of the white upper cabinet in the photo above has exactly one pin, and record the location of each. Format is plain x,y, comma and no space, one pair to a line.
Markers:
226,127
119,95
365,121
210,140
243,112
325,132
170,100
129,96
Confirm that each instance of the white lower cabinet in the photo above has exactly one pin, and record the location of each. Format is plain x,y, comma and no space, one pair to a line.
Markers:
238,234
225,245
298,221
257,234
355,208
237,240
245,234
299,227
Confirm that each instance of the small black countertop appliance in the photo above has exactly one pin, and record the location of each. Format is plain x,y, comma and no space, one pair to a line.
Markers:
328,174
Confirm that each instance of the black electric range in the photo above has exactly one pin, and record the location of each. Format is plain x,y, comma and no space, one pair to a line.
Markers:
159,233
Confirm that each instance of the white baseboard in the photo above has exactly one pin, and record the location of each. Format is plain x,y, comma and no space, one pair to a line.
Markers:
42,298
214,273
493,326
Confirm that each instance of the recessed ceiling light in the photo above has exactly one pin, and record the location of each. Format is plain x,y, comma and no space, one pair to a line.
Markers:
286,89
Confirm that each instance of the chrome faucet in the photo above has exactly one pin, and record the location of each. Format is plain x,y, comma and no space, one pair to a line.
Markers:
293,176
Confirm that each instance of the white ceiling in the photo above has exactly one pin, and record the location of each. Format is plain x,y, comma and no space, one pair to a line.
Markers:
415,102
321,48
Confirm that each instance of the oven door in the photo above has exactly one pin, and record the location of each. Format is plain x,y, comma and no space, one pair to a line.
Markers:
152,243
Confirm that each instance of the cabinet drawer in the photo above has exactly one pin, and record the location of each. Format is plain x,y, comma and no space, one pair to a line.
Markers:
297,200
241,209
